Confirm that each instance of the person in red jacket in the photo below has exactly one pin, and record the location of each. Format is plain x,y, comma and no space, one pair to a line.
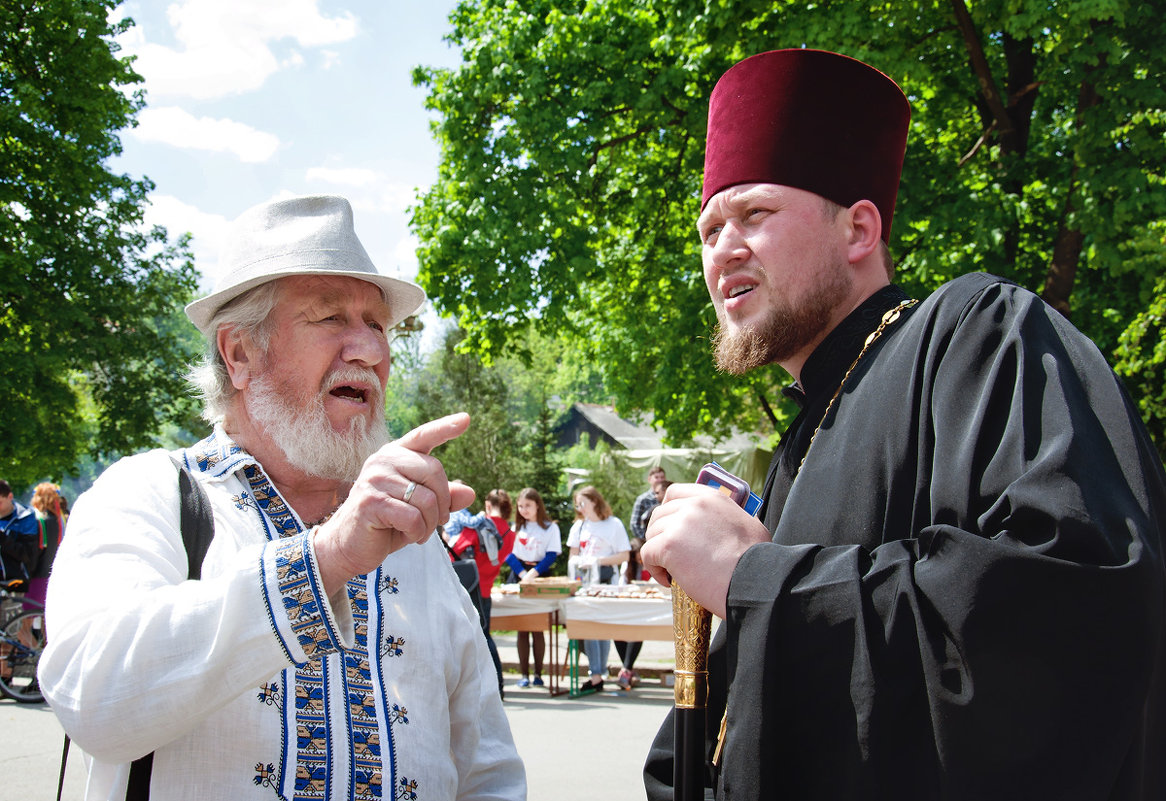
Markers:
489,555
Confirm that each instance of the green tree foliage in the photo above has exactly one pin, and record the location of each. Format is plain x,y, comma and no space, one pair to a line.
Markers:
617,482
1143,361
90,304
401,411
509,444
572,141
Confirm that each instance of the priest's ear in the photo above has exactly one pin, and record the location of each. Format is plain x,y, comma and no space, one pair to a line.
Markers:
865,231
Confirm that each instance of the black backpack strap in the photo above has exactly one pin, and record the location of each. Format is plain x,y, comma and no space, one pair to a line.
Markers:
64,760
197,524
138,787
196,520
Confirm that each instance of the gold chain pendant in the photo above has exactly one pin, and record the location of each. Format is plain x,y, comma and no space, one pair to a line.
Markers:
889,318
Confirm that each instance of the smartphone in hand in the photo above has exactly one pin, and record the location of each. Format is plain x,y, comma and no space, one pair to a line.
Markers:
736,488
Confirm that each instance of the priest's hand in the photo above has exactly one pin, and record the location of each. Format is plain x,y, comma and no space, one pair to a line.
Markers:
696,537
401,496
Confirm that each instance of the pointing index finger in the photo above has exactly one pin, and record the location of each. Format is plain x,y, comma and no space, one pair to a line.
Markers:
427,436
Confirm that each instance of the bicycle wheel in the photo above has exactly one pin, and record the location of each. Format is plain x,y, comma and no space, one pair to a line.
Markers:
12,605
22,640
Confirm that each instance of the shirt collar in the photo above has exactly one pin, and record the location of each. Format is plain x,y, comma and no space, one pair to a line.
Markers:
218,455
19,510
824,369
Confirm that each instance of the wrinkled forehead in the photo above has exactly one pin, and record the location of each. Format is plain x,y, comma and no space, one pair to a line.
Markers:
331,290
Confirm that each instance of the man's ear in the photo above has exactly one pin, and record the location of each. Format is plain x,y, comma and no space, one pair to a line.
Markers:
239,355
866,230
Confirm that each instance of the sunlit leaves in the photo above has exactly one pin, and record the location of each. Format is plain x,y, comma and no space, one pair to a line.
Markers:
91,345
572,146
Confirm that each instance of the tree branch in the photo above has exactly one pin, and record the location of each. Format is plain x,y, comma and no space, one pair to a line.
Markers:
768,410
1062,271
979,142
980,66
620,140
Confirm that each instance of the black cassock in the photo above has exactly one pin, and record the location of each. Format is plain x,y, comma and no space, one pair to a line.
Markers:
964,595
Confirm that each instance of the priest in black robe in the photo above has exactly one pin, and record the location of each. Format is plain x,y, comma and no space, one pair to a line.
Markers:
955,589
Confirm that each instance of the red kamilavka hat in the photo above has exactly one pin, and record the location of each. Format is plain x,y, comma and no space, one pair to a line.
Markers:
809,119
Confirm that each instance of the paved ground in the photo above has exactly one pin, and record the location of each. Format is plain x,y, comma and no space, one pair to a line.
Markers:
575,749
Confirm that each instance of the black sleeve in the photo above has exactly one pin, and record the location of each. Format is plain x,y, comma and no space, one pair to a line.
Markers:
995,629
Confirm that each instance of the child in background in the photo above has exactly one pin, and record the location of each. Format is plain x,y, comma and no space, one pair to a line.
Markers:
537,543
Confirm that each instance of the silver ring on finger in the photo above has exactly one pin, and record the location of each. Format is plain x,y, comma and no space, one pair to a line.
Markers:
409,490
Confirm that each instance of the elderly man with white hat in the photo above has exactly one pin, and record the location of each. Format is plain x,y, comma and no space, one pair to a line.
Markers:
327,650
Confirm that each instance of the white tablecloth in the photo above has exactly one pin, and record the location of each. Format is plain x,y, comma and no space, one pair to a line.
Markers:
504,605
621,611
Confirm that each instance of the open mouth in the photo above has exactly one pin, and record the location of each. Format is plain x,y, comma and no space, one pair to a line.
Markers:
351,393
738,291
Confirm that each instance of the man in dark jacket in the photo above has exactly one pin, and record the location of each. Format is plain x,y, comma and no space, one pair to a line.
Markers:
18,536
955,589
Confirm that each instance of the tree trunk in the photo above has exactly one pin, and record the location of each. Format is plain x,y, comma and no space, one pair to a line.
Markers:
1062,272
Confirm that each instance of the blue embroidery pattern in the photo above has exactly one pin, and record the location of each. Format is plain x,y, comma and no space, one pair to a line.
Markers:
269,501
266,775
389,585
399,715
362,709
311,779
244,500
393,646
269,695
311,736
408,790
211,451
293,573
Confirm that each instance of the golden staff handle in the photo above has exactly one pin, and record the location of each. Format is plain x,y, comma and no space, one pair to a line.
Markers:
692,624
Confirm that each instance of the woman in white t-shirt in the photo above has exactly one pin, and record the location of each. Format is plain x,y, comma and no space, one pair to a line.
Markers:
537,544
600,542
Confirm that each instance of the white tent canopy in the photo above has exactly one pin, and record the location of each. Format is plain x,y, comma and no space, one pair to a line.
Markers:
683,464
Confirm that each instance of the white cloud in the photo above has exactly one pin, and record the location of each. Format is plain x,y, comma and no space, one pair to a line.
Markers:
366,189
258,21
225,47
397,196
174,126
207,230
343,176
405,257
204,71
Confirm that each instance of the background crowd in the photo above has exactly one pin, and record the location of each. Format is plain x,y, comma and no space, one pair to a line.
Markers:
523,539
29,536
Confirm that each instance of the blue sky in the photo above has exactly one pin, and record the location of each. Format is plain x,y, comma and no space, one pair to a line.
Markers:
250,100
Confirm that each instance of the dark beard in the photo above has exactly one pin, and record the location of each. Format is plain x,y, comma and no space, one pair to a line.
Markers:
784,331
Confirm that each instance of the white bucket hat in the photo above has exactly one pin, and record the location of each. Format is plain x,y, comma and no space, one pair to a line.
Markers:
300,236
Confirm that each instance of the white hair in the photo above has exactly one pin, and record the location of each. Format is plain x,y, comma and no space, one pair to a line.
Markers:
250,316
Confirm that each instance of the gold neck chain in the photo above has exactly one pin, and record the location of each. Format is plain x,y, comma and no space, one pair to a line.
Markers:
889,318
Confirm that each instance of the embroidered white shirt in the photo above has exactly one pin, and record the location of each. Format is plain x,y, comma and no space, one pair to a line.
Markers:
248,683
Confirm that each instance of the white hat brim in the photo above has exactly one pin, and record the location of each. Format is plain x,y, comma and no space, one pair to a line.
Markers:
404,298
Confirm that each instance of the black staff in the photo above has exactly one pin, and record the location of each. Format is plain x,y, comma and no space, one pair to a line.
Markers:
691,624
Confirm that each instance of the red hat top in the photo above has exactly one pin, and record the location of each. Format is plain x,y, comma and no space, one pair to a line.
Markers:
809,119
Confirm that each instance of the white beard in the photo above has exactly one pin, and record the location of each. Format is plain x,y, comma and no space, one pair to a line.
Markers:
299,426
